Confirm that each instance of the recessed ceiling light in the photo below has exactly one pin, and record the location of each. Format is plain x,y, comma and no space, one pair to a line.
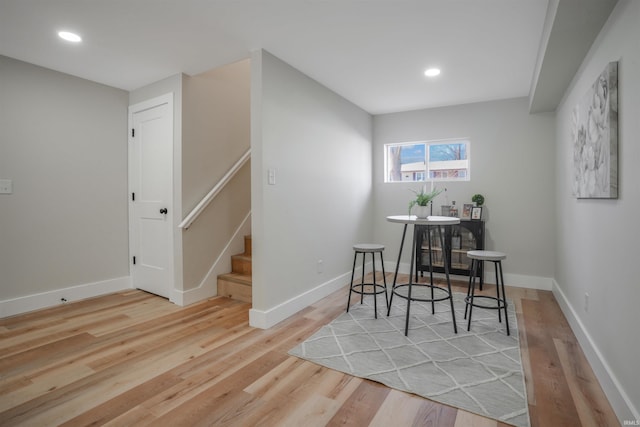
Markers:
432,72
70,37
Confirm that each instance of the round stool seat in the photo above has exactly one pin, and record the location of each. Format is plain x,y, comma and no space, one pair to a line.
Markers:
368,247
486,255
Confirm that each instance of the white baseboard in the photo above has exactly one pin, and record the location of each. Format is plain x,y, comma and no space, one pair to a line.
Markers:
522,281
28,303
620,402
208,287
265,319
516,280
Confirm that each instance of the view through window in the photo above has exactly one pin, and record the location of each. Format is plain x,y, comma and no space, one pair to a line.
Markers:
426,161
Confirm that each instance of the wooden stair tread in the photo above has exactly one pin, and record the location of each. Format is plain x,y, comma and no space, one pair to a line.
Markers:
237,284
240,278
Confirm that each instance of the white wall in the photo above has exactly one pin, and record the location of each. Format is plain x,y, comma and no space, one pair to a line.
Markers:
63,142
216,127
216,133
319,145
512,165
598,240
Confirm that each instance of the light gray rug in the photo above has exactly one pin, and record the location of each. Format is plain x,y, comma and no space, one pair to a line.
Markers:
479,371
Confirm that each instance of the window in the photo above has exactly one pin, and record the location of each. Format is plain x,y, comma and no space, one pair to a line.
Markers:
425,161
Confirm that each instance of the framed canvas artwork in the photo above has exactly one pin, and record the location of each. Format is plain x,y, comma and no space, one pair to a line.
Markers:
594,132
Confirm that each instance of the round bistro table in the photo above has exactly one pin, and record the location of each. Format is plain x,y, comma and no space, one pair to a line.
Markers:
430,222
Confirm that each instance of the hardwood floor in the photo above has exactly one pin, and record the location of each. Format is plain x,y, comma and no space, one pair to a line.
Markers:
132,358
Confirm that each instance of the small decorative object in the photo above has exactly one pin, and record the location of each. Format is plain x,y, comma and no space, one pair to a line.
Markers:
476,213
594,130
445,210
466,211
454,209
422,201
478,199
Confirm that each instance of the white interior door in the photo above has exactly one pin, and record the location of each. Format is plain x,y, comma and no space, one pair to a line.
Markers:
151,194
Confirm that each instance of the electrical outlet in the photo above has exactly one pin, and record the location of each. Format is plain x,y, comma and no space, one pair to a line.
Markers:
586,301
6,186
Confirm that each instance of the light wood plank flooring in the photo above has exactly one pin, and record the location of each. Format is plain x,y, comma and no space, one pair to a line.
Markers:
132,358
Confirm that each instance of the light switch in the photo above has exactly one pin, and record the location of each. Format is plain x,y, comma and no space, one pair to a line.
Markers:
6,186
271,176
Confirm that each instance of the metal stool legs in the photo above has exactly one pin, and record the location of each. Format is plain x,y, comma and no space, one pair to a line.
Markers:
377,288
500,298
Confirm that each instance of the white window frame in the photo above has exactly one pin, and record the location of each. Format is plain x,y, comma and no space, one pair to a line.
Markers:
425,173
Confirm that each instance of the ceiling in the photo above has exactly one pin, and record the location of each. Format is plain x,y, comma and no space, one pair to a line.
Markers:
372,52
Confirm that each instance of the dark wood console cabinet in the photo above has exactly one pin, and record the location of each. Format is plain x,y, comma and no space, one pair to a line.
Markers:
458,239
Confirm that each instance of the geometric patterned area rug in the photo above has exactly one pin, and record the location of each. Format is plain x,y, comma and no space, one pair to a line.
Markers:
479,371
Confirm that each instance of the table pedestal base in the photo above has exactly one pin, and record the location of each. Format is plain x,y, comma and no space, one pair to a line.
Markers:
409,297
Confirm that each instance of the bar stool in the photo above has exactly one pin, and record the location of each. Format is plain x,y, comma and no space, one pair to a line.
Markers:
377,288
501,300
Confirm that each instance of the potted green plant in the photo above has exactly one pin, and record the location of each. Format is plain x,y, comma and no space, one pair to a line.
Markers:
422,201
478,199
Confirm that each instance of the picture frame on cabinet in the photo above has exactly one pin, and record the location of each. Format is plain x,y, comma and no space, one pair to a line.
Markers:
476,213
466,211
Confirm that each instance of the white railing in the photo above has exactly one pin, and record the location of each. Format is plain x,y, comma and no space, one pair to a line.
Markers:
193,215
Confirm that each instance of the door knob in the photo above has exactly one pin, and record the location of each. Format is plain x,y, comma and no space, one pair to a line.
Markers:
163,211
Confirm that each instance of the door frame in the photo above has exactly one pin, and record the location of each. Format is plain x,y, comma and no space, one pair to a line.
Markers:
174,206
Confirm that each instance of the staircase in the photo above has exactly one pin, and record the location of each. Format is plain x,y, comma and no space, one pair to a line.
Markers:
237,284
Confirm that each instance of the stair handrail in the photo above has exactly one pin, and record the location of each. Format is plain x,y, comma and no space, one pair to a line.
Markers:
195,212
